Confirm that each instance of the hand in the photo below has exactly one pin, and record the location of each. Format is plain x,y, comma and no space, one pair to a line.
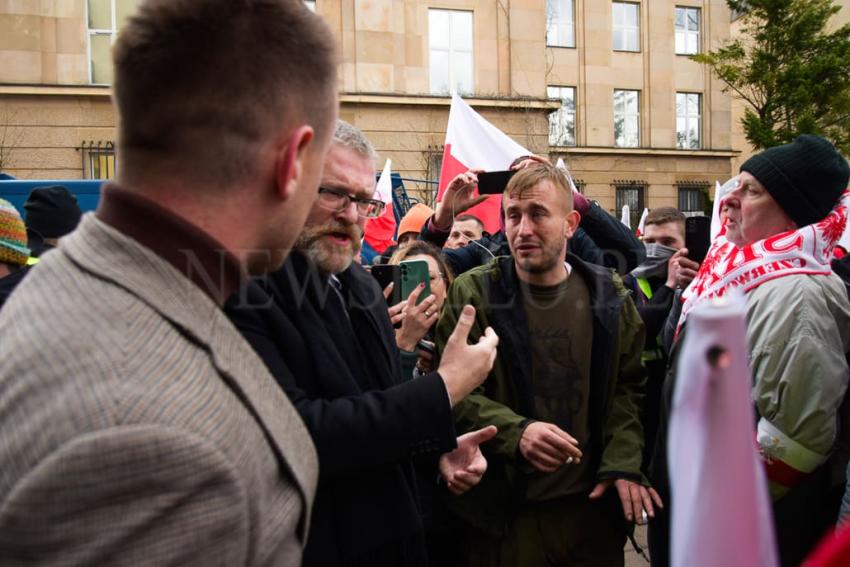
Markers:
457,198
546,446
681,270
425,362
634,498
531,160
464,367
415,319
463,468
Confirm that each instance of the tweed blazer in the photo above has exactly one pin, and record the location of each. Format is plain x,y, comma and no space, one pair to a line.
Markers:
137,425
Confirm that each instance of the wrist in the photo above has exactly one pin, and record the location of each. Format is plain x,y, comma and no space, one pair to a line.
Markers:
404,342
441,221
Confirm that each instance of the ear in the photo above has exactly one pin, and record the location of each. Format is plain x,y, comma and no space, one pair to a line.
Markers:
571,223
290,161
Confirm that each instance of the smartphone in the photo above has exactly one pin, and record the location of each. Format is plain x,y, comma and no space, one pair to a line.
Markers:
697,237
387,274
493,182
413,273
427,346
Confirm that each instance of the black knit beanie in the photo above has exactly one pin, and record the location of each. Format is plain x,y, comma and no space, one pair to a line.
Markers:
805,177
52,211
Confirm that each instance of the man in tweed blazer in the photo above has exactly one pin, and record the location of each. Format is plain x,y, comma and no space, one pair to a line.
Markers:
138,426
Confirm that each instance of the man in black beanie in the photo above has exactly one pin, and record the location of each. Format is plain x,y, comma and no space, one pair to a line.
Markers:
51,213
798,330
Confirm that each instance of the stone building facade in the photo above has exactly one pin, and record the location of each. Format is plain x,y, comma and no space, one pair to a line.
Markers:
607,85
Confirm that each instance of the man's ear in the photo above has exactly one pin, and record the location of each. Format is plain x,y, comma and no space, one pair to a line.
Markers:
290,160
571,223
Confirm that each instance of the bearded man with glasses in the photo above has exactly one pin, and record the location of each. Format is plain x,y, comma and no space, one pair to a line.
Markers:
321,326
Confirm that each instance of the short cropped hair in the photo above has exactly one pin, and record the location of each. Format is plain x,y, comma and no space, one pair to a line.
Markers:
349,136
466,217
202,85
663,215
529,177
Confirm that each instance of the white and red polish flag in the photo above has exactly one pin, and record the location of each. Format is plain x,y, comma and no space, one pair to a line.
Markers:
379,232
472,142
625,217
721,513
642,223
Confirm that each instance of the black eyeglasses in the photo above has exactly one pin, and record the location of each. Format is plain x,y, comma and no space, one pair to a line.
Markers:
337,201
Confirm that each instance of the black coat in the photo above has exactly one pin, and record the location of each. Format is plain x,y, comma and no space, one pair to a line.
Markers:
10,282
366,423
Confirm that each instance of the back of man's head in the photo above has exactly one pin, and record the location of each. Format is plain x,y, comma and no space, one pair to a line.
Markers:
52,212
203,85
663,215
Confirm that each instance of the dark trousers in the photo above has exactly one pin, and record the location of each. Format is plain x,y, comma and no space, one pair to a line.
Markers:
573,531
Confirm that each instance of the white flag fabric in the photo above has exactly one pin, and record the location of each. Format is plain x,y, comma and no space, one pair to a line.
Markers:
642,223
561,165
721,512
625,217
384,189
720,191
474,143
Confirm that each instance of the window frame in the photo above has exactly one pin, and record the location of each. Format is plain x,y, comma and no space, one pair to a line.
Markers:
623,29
555,25
626,116
561,112
688,117
685,188
686,32
636,211
452,82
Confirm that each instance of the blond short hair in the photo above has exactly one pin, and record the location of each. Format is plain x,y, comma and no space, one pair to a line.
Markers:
530,177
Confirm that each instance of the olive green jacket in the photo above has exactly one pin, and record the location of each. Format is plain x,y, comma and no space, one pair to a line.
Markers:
505,399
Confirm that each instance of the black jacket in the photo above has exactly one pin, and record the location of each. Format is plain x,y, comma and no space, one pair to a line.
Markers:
600,239
10,282
367,425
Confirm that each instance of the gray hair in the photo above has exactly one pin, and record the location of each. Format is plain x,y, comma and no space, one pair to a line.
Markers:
351,137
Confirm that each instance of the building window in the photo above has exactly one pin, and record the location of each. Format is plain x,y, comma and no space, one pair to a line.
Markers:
688,121
98,159
105,18
560,23
311,4
687,30
626,26
581,185
562,122
692,197
626,119
631,193
450,40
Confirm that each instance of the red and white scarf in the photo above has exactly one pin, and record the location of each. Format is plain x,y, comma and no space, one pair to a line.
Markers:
807,250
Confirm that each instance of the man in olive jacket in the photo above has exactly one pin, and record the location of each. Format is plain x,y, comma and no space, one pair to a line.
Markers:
565,393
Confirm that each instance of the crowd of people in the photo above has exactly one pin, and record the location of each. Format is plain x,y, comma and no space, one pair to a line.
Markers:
200,372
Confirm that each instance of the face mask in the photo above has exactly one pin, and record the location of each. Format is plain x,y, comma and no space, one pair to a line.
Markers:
655,265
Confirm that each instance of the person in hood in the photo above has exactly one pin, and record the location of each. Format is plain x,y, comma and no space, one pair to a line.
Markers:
52,212
13,250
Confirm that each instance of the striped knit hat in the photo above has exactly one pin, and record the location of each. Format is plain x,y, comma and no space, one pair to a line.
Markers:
13,235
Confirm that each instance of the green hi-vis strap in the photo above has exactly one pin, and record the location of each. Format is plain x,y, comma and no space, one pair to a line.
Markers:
32,261
643,283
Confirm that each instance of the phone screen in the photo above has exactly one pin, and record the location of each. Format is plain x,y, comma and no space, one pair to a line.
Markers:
387,274
697,237
413,273
493,182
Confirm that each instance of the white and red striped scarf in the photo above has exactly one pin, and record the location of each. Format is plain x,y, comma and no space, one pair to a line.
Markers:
807,250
